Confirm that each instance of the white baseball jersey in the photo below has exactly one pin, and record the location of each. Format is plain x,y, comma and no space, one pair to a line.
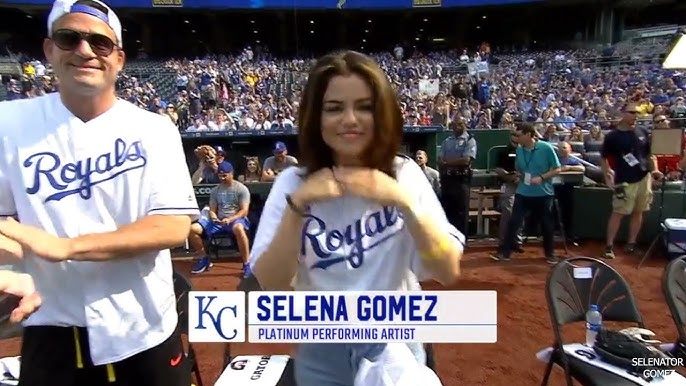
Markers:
72,178
354,244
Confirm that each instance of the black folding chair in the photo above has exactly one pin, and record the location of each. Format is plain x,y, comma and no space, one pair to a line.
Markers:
181,288
674,290
570,297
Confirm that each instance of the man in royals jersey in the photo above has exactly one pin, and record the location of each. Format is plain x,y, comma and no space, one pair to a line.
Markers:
101,191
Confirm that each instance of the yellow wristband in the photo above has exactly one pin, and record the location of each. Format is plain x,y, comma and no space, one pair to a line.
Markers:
439,252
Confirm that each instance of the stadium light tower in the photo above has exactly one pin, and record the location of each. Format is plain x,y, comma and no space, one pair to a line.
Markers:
676,57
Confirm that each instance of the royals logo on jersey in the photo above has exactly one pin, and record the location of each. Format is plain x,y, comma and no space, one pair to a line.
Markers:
351,242
71,178
57,177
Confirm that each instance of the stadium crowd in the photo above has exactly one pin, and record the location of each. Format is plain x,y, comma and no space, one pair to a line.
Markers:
254,91
567,98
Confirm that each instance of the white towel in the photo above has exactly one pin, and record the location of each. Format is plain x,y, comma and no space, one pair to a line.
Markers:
395,366
9,370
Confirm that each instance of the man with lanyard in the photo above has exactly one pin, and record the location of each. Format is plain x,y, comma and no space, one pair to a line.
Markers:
100,191
627,167
536,163
505,169
457,153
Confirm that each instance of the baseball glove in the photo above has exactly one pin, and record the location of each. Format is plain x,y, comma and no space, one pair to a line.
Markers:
620,349
205,153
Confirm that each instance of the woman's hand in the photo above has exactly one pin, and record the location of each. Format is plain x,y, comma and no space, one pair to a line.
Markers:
319,186
22,286
373,185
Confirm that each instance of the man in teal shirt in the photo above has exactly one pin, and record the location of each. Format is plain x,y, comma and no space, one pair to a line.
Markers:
536,163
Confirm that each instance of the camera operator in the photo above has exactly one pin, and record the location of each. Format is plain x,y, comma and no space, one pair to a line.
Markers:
627,168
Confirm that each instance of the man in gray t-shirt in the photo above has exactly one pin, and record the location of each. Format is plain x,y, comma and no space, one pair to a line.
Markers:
277,163
228,215
430,173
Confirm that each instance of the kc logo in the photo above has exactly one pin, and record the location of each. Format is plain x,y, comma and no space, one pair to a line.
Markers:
216,316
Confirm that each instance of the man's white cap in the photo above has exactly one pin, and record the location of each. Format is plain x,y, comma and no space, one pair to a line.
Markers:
63,7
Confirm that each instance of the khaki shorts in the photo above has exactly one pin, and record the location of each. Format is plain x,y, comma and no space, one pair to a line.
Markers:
637,197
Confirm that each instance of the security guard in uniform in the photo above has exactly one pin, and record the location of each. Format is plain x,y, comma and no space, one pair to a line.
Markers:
455,158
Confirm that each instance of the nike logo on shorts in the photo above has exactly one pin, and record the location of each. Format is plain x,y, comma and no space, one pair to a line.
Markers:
175,361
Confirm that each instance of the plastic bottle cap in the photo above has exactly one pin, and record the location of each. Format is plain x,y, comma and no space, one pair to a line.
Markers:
594,307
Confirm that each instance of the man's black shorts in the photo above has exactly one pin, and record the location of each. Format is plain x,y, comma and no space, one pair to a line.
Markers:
51,356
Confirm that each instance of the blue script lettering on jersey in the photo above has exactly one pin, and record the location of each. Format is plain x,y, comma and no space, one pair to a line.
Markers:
377,227
123,158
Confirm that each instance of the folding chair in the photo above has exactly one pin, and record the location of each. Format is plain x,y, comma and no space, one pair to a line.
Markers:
217,243
570,290
674,289
181,288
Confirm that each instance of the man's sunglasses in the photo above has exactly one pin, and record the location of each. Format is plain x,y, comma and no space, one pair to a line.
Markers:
69,40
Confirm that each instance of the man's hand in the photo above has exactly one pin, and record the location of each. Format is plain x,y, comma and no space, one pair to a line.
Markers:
536,180
269,172
36,240
10,250
657,175
609,179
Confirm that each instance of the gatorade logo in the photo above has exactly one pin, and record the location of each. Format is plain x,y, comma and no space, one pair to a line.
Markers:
239,365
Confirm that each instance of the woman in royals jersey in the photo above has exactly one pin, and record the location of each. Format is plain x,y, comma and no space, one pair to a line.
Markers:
353,215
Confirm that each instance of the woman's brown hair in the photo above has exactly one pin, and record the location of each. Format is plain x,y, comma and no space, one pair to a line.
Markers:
258,169
388,119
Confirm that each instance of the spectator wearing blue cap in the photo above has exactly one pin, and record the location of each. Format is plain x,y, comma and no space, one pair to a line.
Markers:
278,162
228,215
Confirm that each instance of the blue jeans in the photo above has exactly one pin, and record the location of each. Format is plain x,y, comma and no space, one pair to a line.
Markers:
335,364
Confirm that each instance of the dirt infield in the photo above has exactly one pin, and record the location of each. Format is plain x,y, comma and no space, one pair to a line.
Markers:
523,319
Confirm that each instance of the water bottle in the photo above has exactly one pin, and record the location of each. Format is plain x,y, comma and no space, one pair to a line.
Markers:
594,322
